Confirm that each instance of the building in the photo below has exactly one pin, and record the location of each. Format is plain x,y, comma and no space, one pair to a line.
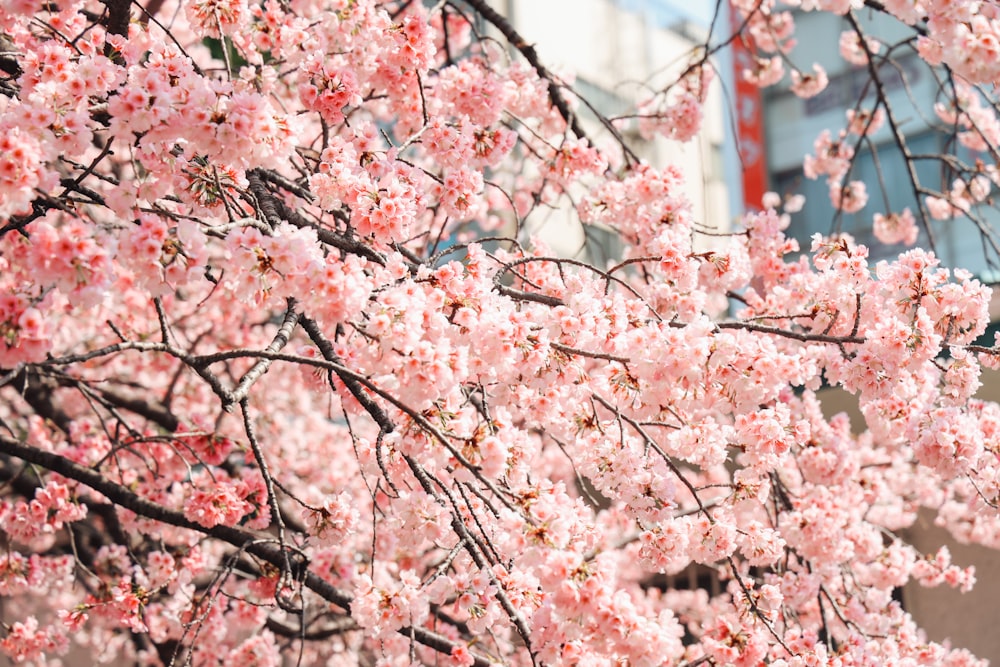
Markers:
616,51
910,88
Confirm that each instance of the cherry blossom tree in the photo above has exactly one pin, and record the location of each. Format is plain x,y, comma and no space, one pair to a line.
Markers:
284,381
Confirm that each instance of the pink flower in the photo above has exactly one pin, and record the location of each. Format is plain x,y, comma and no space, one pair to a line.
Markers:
212,507
22,169
384,611
257,651
334,521
461,656
896,228
219,17
766,72
809,85
459,194
853,51
328,90
25,641
832,158
75,619
940,208
257,222
864,122
849,198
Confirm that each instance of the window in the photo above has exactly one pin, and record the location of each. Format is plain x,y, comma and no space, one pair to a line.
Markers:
889,189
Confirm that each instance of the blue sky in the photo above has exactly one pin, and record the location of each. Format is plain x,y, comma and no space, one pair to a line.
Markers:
699,11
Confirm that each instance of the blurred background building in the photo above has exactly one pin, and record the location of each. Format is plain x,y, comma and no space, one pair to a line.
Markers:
911,88
615,53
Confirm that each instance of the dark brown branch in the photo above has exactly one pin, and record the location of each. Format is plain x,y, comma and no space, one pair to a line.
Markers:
474,547
879,7
326,349
566,349
275,210
118,16
803,336
281,339
284,183
897,133
262,547
37,392
151,410
520,295
341,625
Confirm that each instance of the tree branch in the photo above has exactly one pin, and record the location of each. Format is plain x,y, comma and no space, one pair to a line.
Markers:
260,546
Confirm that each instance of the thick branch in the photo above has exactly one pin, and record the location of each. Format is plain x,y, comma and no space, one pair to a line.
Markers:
118,16
259,546
151,410
280,340
275,211
37,392
326,349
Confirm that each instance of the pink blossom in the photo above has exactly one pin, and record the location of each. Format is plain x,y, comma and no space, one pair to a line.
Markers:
896,228
849,198
259,651
853,51
327,90
680,120
215,506
909,11
766,72
335,520
219,16
385,611
809,85
25,641
832,158
864,122
243,273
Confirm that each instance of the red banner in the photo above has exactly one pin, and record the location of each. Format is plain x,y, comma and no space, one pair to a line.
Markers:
749,121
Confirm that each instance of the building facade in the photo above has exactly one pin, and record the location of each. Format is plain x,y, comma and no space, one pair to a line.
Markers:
910,88
615,52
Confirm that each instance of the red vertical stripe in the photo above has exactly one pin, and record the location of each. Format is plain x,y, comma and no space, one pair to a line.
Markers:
749,121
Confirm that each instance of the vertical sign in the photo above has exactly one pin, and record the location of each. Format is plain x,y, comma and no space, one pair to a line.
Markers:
749,120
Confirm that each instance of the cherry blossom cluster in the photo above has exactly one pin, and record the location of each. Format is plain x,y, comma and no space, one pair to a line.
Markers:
677,113
270,395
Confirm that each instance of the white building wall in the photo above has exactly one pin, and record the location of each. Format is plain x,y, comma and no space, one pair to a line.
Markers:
627,53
